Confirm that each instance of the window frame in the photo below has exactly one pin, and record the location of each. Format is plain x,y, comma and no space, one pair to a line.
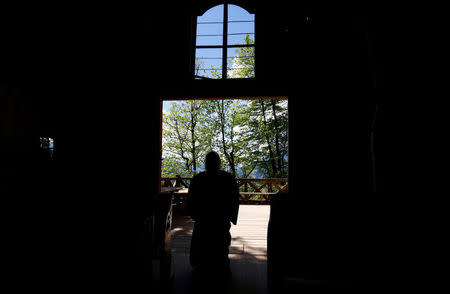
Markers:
165,98
49,147
224,45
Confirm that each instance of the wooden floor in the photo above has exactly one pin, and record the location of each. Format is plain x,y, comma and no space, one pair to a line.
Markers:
248,252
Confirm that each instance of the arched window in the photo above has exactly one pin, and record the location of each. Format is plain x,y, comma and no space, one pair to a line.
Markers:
225,43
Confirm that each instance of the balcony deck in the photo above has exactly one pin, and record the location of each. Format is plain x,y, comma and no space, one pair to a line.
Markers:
248,252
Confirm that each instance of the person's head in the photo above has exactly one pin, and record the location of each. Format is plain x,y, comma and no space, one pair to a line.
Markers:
212,162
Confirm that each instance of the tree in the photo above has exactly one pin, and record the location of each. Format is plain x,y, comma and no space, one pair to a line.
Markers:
182,136
268,120
249,135
199,66
227,118
243,64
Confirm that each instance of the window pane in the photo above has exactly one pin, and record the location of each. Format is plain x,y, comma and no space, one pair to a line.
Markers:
241,62
209,34
241,26
209,40
210,27
44,142
213,14
208,63
236,13
47,146
241,39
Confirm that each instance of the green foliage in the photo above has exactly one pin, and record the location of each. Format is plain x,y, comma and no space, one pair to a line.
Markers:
184,135
268,118
243,65
249,135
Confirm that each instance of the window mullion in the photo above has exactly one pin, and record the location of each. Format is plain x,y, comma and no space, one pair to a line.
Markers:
225,41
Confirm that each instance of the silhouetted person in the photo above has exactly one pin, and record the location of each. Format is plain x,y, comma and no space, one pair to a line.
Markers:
213,202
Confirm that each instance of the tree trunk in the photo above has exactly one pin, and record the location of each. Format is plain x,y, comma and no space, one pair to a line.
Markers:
180,139
271,156
194,151
229,157
277,136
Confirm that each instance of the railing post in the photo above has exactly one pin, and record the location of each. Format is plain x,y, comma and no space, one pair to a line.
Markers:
178,181
167,183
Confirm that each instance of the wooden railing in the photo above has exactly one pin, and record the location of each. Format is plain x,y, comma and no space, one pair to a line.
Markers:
259,190
252,191
175,182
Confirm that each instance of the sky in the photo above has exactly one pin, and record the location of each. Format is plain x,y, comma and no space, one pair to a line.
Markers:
167,104
207,25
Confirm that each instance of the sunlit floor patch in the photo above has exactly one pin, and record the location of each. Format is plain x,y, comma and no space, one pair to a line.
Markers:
248,252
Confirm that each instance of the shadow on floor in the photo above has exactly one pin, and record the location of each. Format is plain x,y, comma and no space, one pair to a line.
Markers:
247,259
247,276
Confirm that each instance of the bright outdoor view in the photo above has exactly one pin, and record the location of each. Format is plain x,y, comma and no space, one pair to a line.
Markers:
225,43
251,137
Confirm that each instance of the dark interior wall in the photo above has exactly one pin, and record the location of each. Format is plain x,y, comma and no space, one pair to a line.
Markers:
322,65
94,76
